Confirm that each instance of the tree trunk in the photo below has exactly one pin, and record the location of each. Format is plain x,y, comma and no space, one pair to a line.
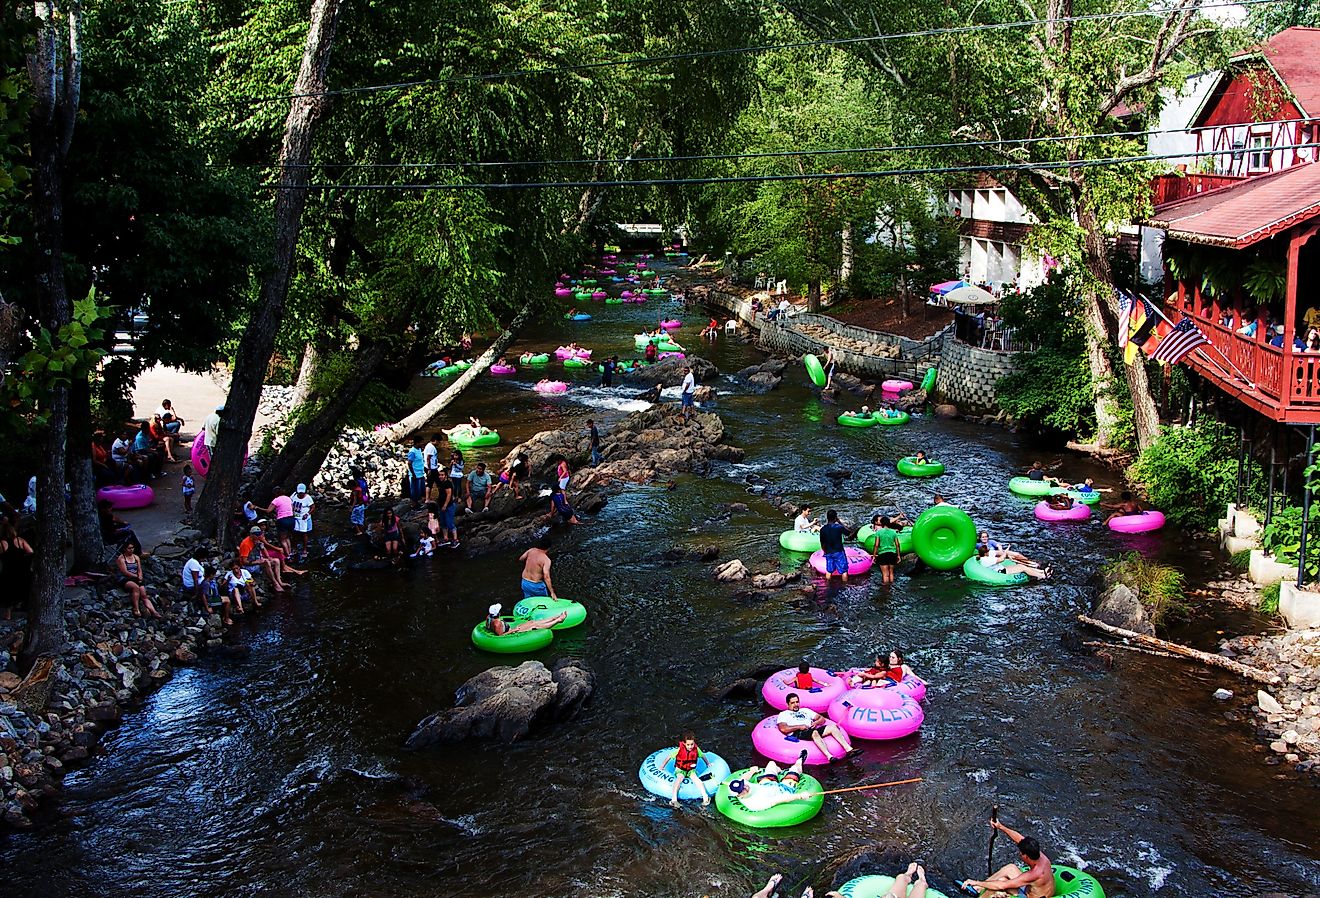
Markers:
317,431
55,69
813,295
420,418
254,351
88,546
1101,309
847,255
302,390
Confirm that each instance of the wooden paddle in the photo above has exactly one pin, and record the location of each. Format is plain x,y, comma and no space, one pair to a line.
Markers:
990,855
915,779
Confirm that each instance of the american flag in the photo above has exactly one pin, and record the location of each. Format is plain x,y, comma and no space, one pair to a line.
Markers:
1184,337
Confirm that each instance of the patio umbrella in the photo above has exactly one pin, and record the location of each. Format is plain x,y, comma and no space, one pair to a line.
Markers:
941,289
970,296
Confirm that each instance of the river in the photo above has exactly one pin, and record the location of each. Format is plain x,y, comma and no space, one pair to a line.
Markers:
281,772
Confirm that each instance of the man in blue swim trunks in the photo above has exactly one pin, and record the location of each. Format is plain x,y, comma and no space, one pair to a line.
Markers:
831,543
536,571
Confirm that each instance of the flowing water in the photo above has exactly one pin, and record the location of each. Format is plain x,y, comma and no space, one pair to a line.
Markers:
281,772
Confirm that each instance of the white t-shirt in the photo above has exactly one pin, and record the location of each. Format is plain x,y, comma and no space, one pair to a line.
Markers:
239,580
802,524
798,718
689,383
302,512
760,796
249,511
119,450
430,457
456,469
426,545
192,573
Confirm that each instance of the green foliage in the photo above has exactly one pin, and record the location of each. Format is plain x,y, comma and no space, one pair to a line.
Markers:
1159,586
1052,386
1240,561
1260,271
69,355
1190,473
1269,599
1282,538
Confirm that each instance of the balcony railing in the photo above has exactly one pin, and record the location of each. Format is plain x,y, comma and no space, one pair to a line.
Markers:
1167,188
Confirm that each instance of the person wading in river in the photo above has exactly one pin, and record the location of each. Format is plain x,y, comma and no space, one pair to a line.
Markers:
536,571
1011,881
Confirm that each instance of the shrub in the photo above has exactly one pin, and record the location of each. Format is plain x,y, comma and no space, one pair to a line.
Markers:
1282,538
1269,599
1240,561
1190,473
1159,586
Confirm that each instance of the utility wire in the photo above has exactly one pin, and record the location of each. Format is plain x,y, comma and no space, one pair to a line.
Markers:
804,176
730,51
776,154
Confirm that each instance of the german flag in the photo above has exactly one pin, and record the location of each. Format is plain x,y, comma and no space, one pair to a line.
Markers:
1144,329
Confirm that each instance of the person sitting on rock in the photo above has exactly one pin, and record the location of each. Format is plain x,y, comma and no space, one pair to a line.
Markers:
238,582
760,790
496,624
1125,506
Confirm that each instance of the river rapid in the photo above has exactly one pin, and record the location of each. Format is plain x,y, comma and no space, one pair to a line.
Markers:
282,773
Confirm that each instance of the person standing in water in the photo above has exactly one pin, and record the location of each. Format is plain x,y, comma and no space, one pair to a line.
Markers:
536,571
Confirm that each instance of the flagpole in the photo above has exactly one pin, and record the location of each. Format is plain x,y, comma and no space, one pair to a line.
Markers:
1232,370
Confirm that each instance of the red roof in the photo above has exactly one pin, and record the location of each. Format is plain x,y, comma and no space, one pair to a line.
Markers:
1246,212
1295,55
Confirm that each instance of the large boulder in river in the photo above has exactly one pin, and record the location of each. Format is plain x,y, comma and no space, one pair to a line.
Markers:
504,704
1118,605
669,372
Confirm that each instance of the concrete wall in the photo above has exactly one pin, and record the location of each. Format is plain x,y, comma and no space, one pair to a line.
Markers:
968,375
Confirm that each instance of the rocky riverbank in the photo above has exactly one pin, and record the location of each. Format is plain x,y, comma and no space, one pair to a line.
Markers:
52,719
1287,716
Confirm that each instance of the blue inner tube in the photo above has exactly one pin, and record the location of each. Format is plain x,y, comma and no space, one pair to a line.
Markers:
658,774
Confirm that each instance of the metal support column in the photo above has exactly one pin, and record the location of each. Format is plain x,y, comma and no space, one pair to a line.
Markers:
1306,507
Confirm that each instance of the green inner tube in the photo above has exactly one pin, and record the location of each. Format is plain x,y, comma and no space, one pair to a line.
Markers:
661,346
847,420
892,421
510,643
814,370
613,300
929,380
587,282
1025,486
539,359
441,372
991,576
944,537
908,467
787,814
463,365
866,538
655,291
799,542
1069,881
576,362
466,439
876,887
542,607
1090,498
582,294
647,273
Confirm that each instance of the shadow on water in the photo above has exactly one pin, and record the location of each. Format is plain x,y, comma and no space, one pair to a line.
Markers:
282,772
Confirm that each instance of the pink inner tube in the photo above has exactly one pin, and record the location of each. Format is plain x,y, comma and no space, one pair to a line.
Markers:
785,749
564,352
563,291
636,297
503,369
912,684
138,495
671,355
551,386
672,324
859,561
779,687
200,456
1079,512
1138,523
877,713
608,271
896,386
626,294
598,294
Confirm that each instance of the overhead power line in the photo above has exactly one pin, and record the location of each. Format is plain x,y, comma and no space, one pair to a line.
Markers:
777,154
730,51
803,176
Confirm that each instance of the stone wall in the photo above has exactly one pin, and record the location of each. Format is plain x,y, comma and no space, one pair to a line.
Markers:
894,356
968,375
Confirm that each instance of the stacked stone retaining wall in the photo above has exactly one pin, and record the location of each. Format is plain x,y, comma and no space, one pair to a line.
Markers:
968,375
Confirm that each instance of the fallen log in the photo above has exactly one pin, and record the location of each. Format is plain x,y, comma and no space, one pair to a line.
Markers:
1242,670
1099,644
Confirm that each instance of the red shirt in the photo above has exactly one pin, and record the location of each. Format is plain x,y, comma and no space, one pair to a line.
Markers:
804,680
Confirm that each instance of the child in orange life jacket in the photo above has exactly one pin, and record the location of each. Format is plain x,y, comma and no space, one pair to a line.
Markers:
685,767
803,679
